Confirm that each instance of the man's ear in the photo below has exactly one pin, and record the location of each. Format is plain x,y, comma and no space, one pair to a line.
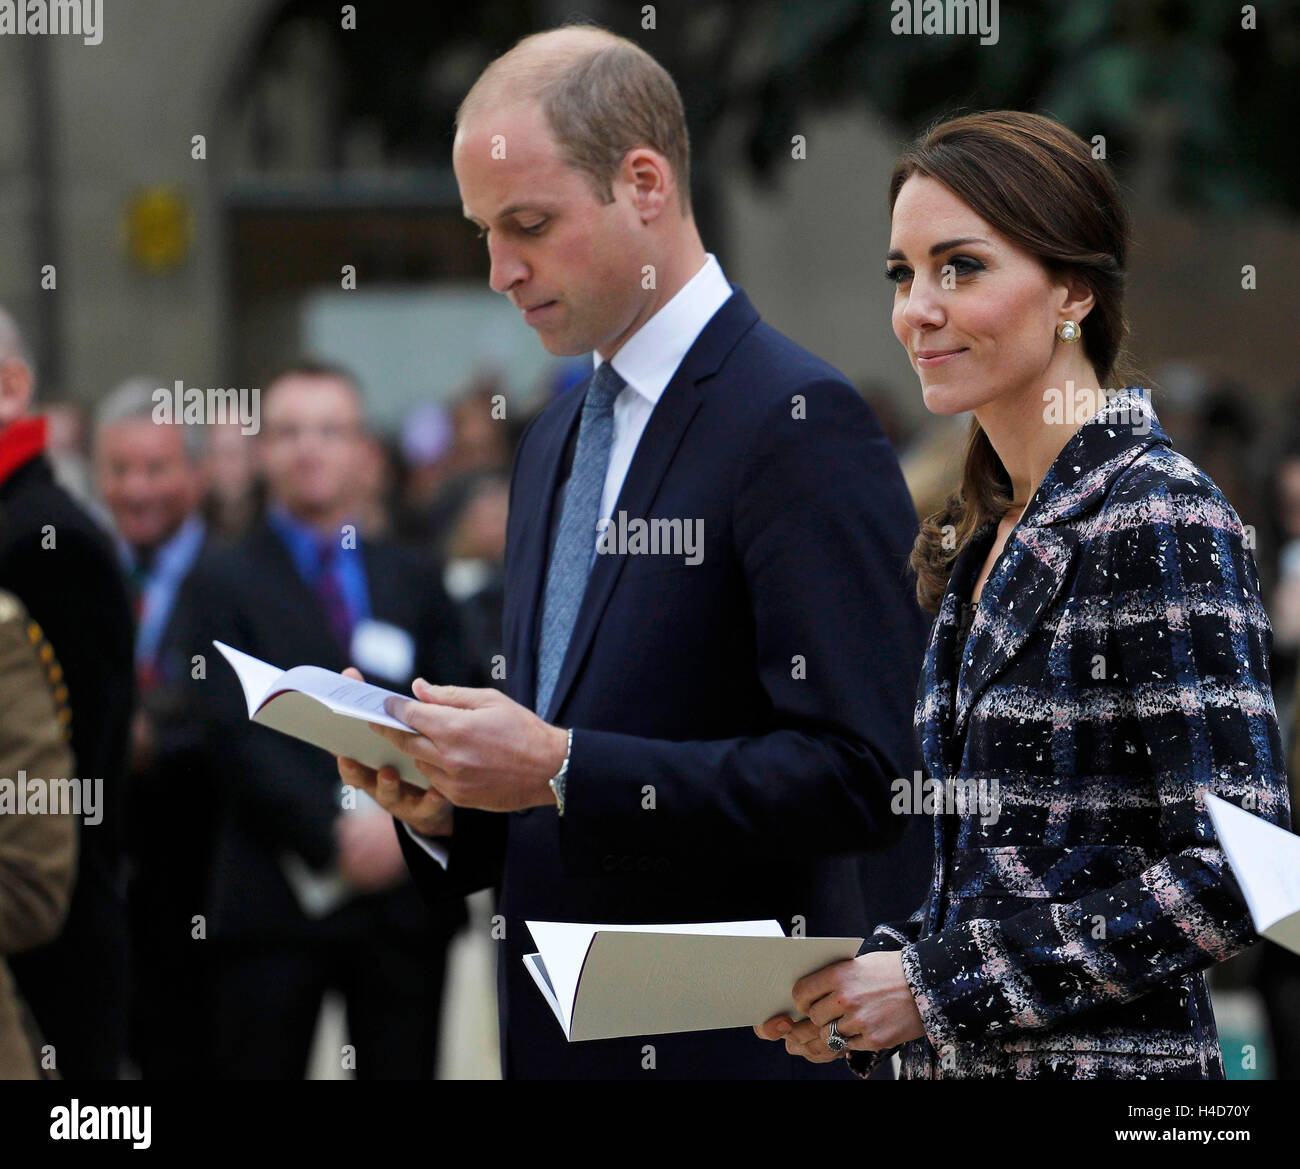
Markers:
15,389
650,177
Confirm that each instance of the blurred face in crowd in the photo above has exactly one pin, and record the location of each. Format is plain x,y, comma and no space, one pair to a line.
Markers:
146,479
976,313
1288,496
311,445
481,529
570,263
231,461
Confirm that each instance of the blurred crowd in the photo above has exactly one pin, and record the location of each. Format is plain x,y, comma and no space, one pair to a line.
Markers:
232,881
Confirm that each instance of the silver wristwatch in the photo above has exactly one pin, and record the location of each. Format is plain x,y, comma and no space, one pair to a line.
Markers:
556,782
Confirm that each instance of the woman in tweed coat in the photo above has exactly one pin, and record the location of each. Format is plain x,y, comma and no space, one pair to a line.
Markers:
1099,658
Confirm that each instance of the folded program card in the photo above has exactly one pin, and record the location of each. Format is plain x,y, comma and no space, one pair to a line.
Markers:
606,981
1266,862
324,709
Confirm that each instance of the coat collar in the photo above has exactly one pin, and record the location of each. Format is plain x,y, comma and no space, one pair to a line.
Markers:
1033,566
1096,453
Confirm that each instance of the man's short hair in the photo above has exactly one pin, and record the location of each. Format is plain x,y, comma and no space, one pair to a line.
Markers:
601,98
316,368
135,398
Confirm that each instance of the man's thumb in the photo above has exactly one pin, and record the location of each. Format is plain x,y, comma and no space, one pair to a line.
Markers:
465,697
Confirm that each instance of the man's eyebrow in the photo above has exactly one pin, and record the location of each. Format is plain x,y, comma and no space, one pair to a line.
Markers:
943,246
513,209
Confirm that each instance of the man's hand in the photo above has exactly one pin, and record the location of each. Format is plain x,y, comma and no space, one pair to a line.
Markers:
867,998
369,855
479,748
428,812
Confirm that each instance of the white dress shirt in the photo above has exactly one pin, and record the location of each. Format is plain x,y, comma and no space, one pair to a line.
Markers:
647,362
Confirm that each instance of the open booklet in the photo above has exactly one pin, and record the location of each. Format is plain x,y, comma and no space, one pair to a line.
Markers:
324,709
1266,862
607,981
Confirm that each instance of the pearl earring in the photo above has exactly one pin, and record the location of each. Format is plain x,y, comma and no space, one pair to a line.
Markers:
1068,331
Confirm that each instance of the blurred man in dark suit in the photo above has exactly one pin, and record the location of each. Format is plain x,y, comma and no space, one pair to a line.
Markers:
150,476
306,894
56,560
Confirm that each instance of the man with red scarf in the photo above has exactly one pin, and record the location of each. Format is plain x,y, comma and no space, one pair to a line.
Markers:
56,560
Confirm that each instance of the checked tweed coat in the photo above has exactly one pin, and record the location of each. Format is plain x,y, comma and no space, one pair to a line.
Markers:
1117,664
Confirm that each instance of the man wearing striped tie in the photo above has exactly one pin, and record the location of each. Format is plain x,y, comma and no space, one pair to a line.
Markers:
711,647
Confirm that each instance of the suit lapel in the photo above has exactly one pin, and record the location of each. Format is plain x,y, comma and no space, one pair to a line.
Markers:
654,454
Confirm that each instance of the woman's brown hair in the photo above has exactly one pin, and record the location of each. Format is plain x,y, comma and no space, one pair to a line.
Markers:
1037,183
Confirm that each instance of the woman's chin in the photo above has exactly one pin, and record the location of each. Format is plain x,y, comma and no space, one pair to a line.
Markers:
946,398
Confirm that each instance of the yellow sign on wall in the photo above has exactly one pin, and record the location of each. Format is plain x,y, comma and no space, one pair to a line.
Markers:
157,226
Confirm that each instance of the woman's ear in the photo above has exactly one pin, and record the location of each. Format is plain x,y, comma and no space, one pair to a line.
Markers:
1078,301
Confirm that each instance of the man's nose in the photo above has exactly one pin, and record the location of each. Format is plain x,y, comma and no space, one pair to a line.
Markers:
507,267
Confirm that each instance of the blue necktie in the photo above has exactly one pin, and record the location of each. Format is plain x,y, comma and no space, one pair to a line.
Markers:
575,545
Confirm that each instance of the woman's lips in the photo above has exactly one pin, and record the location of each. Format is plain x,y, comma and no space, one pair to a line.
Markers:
938,358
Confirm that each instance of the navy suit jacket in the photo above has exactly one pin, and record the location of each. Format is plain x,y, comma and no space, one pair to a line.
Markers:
275,794
738,721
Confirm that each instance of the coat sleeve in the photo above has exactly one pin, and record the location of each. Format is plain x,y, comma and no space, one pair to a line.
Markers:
886,937
1190,643
822,524
38,852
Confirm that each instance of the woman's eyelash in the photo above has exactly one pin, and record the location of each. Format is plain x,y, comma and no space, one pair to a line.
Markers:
963,265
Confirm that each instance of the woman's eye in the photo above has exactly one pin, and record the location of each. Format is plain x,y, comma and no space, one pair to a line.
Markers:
533,228
898,274
965,264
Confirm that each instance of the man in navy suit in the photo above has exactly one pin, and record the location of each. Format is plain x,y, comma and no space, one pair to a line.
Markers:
307,892
711,644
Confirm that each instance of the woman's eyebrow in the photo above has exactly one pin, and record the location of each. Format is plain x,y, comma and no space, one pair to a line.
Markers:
941,247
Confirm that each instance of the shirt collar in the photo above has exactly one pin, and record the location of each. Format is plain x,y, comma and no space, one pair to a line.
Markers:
301,539
174,552
650,357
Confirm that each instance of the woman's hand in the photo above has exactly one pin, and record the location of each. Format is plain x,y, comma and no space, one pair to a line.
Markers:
867,999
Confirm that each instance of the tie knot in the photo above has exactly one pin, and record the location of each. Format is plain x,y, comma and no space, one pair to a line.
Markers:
606,385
